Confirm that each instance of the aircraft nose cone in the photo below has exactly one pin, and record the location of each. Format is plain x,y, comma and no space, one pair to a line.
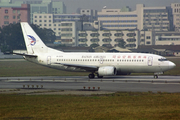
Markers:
171,65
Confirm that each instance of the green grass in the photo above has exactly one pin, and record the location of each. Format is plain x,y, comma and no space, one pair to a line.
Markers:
25,68
125,106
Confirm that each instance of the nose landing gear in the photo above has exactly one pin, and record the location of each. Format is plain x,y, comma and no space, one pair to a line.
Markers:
157,73
155,76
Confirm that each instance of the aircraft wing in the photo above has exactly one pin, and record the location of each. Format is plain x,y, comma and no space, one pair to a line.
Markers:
85,67
23,54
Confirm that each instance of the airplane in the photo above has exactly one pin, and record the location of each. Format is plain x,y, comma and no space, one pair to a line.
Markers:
101,64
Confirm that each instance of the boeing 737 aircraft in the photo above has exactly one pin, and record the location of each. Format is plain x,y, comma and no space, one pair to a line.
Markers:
101,64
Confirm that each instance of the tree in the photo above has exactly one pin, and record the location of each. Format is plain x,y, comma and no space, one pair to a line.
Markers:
121,43
11,36
47,35
94,45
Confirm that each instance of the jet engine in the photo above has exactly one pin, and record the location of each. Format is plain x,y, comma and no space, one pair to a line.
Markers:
107,71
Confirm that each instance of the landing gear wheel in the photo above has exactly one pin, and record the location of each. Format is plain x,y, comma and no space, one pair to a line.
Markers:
155,76
91,76
99,76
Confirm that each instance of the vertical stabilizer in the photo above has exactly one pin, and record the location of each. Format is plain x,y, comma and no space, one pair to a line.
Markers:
33,43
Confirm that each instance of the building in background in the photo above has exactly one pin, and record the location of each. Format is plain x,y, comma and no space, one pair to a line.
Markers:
147,37
143,26
176,16
109,38
88,15
14,14
143,18
37,6
167,38
114,19
69,33
156,19
47,7
72,23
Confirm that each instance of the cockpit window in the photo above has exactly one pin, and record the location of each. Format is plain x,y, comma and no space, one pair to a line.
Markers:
162,59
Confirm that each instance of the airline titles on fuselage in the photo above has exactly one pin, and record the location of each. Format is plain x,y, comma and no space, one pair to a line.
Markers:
117,56
114,56
89,56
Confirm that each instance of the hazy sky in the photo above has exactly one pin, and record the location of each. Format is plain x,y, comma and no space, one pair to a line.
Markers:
72,5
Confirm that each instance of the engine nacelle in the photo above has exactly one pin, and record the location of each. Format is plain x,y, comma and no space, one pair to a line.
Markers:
107,71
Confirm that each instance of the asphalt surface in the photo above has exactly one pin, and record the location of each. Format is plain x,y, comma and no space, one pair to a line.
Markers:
169,84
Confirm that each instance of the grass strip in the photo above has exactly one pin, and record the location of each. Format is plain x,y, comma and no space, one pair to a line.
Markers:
127,105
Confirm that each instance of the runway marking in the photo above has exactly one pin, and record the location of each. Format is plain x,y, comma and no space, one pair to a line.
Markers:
160,81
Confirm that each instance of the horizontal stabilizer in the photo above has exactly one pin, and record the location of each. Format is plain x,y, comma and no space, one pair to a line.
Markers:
23,54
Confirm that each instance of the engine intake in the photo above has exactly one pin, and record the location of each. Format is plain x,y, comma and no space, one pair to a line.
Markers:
107,71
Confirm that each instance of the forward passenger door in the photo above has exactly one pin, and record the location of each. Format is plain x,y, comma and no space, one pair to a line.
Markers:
150,61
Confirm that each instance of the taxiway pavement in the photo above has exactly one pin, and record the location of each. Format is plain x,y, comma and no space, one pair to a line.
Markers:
80,83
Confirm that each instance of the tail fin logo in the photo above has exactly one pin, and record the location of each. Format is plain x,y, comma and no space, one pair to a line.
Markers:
32,40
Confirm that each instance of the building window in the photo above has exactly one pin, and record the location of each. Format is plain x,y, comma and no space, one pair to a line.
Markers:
142,35
6,17
44,24
66,35
54,24
14,17
54,28
6,11
18,11
44,20
40,17
49,20
18,17
44,16
66,24
49,16
148,42
14,11
40,20
35,20
35,16
148,37
49,24
6,22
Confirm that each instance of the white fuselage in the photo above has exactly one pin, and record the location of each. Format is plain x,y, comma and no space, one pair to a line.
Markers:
123,62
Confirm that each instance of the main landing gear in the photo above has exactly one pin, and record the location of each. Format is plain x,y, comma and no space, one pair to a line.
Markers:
91,76
99,76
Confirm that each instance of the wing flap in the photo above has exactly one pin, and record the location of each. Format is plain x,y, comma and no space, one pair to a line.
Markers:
85,67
